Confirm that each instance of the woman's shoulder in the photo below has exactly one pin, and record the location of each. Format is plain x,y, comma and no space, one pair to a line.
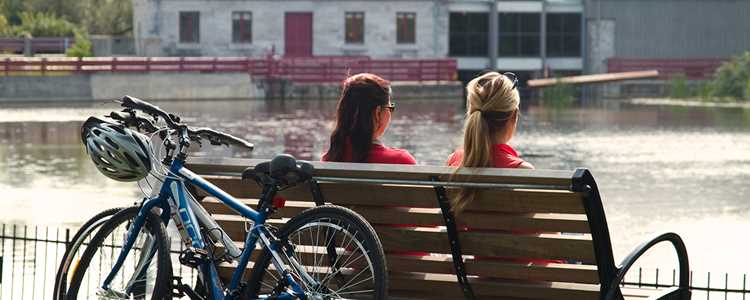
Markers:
389,155
505,156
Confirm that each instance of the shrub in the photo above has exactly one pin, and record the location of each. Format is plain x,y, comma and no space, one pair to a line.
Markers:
81,47
731,78
559,95
42,24
678,87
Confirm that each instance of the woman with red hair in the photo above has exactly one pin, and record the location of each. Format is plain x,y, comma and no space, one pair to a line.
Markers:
363,114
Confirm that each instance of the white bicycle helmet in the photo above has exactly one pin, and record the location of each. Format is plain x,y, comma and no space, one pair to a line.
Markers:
118,152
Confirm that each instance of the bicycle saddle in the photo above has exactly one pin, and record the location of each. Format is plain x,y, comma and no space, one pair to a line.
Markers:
282,170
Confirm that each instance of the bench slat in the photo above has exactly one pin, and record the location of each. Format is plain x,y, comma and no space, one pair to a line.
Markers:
473,243
495,200
206,165
432,217
447,287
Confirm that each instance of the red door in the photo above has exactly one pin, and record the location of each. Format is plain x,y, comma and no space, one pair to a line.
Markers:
298,34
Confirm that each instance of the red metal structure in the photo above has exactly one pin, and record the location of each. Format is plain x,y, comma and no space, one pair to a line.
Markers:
308,69
694,69
298,34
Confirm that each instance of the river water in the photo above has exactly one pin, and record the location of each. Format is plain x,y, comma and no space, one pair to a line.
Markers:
659,168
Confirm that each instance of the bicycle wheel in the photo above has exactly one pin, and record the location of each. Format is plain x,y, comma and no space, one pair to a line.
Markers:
73,251
146,272
337,248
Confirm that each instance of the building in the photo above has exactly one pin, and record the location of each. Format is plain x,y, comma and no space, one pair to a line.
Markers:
531,37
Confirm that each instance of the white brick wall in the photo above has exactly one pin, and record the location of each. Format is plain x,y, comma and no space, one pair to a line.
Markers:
157,33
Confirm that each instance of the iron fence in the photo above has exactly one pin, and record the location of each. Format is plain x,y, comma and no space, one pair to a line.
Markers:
30,255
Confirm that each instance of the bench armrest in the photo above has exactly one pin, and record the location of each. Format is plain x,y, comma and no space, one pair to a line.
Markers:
679,246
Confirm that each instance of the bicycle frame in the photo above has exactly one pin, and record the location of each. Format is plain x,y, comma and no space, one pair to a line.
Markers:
174,188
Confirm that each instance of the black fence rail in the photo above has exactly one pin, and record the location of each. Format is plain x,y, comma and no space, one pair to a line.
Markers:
30,255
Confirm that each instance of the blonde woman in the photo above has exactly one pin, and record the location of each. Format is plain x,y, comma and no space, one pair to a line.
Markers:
492,113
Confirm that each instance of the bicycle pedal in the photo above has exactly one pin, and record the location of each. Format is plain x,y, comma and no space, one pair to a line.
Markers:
177,287
193,257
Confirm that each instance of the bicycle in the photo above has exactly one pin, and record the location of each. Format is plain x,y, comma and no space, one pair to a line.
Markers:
350,246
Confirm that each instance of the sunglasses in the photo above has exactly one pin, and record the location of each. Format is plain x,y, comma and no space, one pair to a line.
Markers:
391,106
512,76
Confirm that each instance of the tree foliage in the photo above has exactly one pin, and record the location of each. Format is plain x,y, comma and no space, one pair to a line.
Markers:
111,17
732,78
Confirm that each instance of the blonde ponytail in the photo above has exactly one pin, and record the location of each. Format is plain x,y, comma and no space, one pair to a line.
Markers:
487,95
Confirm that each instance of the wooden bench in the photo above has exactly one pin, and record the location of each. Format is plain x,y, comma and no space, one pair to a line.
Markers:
519,216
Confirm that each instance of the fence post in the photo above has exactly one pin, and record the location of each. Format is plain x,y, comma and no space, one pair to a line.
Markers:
6,66
182,64
148,64
113,66
79,62
27,51
44,66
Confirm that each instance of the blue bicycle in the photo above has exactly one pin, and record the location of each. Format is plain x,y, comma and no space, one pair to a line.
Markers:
325,252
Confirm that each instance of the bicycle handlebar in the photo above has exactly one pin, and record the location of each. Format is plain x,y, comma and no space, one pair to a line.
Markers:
130,119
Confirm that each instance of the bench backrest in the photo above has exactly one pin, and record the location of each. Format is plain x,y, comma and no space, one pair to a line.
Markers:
528,234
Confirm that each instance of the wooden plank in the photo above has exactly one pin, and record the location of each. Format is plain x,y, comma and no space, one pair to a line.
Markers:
447,286
433,217
593,78
205,165
434,240
543,246
491,200
496,269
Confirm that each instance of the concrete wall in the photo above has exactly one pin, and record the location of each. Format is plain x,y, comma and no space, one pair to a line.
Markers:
174,86
156,24
51,88
401,90
676,28
152,86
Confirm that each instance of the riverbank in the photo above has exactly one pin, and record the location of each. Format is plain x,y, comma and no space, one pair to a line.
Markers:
689,103
190,86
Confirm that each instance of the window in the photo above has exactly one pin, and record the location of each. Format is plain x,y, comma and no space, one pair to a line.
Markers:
468,34
190,27
405,28
355,28
519,34
564,35
242,27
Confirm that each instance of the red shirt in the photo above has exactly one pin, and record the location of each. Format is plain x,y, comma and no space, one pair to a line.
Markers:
380,154
503,156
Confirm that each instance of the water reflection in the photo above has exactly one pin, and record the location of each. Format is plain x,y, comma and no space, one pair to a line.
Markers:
660,168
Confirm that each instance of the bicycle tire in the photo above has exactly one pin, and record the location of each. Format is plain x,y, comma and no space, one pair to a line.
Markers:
344,218
86,231
156,237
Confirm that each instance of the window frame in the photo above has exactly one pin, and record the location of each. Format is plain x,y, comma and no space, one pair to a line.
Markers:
189,27
242,29
407,35
359,18
565,30
519,35
468,34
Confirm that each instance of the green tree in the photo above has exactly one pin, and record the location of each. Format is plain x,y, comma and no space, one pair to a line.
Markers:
114,17
44,24
731,78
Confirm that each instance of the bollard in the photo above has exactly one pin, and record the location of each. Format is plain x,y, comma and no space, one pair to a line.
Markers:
27,51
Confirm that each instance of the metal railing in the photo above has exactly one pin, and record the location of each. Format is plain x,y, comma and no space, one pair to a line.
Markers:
308,69
35,45
29,257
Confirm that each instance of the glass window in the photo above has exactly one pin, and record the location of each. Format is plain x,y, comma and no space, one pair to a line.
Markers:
564,35
406,27
468,34
190,27
242,27
355,27
519,34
